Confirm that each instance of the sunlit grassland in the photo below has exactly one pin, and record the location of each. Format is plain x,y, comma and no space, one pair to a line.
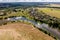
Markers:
50,11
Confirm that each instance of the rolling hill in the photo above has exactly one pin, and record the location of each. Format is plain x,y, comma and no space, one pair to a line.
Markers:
21,31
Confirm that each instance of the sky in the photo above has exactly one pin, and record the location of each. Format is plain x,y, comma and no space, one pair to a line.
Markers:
29,0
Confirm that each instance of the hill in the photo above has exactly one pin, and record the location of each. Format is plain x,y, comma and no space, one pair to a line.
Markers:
21,31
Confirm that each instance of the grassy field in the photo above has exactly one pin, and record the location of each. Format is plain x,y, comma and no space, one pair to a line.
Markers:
21,31
50,11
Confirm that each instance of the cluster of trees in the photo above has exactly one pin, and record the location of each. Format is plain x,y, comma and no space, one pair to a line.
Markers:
44,18
15,12
18,11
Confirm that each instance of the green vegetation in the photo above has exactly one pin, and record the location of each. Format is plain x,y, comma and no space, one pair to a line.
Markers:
16,12
53,16
49,16
43,17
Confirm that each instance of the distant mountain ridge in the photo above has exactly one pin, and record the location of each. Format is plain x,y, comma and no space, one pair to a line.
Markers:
14,4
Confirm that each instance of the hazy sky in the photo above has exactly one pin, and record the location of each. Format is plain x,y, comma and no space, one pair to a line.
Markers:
29,0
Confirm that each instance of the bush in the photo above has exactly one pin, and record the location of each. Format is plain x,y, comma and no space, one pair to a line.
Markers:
4,23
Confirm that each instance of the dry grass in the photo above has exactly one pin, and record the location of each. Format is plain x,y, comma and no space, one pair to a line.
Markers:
50,11
21,31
